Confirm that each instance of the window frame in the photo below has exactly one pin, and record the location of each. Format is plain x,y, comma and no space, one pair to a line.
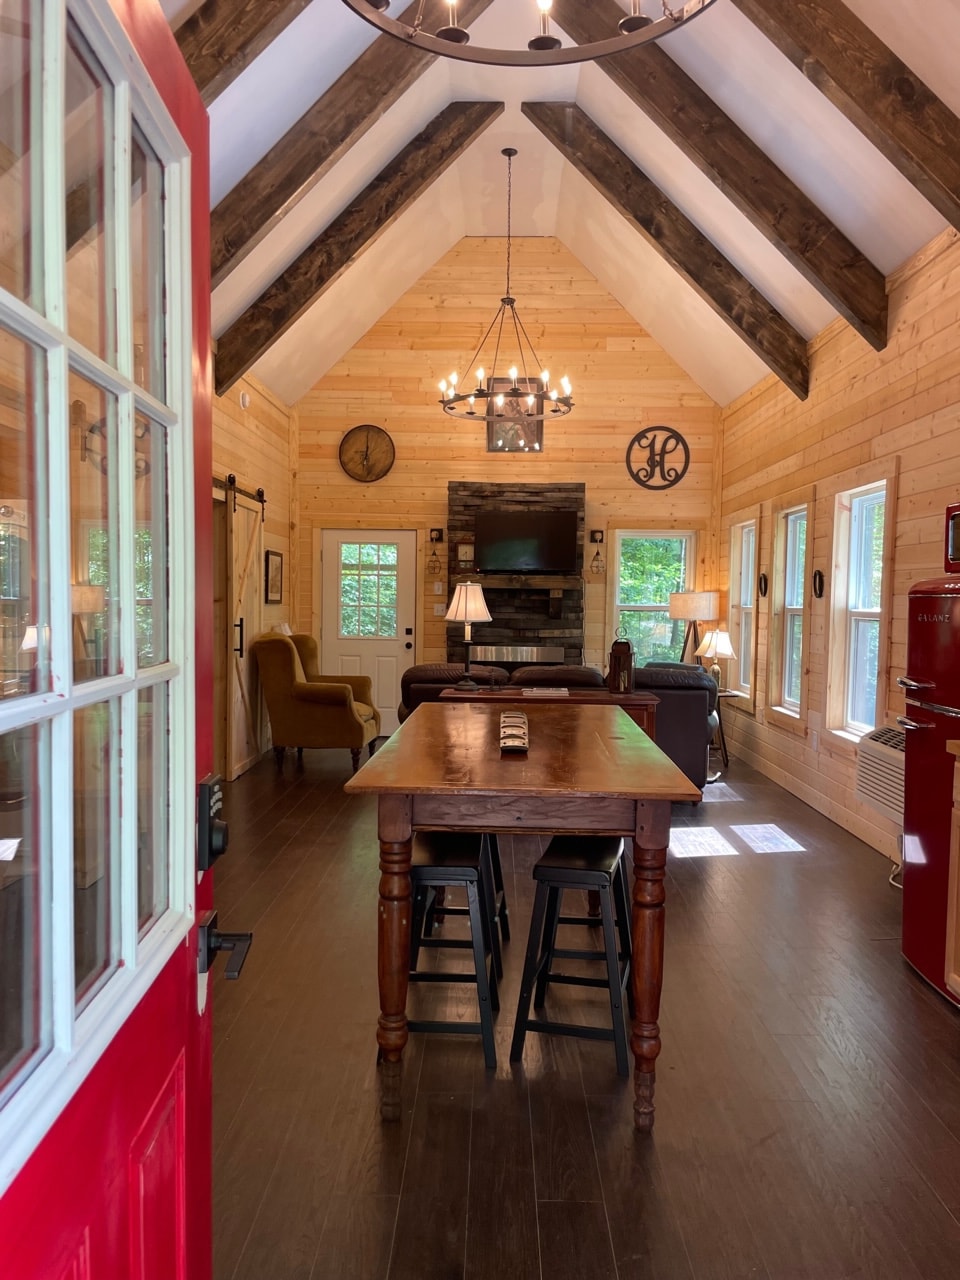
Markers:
781,712
691,535
843,735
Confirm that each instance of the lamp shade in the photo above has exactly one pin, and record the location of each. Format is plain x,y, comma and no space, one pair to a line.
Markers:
468,604
30,638
716,644
694,606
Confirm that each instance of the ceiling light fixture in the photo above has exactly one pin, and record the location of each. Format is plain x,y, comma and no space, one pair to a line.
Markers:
544,50
526,394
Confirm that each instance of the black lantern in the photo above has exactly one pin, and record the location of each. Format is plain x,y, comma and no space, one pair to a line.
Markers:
620,674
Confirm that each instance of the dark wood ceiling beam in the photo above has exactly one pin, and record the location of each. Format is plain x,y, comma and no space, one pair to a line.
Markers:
223,37
744,173
308,151
890,105
396,187
676,239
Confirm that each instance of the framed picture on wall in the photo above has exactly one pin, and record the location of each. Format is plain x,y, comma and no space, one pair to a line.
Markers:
510,429
273,577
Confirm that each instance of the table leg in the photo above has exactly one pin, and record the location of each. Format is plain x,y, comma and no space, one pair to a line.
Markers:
649,862
393,946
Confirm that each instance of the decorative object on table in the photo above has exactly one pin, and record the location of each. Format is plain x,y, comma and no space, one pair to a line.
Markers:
692,607
366,453
620,674
433,564
657,458
596,564
468,606
716,644
543,49
514,731
526,395
273,577
818,584
762,585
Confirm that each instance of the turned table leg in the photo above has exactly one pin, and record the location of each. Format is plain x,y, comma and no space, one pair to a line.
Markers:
649,862
393,946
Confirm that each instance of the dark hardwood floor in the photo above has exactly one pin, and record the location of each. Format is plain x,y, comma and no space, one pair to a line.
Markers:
808,1091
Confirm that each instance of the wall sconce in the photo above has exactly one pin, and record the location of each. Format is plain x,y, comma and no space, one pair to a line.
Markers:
596,564
433,564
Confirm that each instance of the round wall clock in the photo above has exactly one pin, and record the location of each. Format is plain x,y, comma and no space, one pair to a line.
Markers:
657,457
366,453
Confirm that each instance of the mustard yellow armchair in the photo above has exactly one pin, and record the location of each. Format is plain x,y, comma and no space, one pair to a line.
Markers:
307,709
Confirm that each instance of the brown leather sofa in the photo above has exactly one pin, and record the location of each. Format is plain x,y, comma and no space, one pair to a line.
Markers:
307,709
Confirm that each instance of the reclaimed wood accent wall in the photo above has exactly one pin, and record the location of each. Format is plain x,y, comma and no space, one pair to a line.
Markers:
527,609
622,381
894,413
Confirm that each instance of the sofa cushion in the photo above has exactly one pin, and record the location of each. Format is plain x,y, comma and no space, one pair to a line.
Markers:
448,673
559,677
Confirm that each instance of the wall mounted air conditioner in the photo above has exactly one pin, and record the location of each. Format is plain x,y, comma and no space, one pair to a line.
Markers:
880,758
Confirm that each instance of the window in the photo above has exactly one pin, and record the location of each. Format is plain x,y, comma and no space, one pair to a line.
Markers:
96,554
649,567
792,569
741,626
368,589
858,554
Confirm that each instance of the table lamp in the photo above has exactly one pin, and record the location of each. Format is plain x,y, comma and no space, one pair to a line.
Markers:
716,644
692,607
468,606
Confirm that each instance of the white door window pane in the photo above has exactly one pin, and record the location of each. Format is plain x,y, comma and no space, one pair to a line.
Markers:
153,878
147,258
151,536
96,805
368,590
94,595
20,258
862,686
24,931
24,633
89,193
649,568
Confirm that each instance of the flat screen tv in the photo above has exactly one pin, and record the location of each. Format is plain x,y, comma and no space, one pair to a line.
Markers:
525,541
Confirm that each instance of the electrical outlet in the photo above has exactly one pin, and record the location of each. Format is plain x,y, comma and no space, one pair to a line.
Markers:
438,611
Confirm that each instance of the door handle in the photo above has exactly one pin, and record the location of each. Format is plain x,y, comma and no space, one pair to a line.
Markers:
905,723
904,683
408,645
240,625
211,940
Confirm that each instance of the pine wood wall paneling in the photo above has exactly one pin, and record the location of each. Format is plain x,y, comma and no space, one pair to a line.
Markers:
621,379
258,445
864,408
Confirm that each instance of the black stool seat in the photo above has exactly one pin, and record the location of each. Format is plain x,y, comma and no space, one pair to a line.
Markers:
578,862
440,860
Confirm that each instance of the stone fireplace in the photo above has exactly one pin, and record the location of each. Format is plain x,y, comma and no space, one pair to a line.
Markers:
536,617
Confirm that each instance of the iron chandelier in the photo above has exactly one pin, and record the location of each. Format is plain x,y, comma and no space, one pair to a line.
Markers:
544,50
526,394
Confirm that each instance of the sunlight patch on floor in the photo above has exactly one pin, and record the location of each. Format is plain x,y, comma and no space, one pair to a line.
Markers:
767,837
700,842
719,791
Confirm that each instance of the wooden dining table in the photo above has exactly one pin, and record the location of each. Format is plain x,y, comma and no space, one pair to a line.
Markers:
588,770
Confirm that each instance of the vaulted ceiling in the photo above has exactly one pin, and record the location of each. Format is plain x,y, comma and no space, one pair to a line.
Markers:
736,186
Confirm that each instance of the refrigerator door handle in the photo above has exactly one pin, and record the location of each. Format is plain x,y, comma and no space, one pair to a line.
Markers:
904,683
905,723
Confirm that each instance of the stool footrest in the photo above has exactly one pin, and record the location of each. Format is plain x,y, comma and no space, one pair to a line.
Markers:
566,1029
447,1028
437,976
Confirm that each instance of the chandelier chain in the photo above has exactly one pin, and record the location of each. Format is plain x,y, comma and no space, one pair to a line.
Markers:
509,206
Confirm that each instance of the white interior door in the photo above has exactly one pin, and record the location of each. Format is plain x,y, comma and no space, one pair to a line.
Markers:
369,611
244,563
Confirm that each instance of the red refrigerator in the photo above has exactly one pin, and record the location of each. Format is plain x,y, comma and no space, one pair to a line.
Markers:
931,719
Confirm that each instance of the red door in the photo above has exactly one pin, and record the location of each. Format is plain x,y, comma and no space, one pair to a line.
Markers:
105,1028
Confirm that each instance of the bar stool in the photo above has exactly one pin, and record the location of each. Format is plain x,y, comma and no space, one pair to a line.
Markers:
578,862
442,859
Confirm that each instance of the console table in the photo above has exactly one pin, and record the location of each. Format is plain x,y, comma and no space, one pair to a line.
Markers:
641,706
